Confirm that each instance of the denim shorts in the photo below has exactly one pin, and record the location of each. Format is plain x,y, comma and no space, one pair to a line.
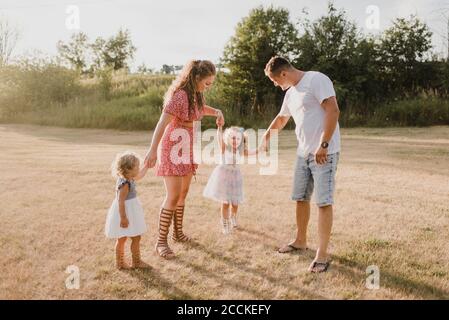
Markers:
309,176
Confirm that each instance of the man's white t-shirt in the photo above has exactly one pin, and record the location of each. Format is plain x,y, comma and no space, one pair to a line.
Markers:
303,103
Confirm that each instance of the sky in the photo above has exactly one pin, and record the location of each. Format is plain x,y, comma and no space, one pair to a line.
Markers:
174,31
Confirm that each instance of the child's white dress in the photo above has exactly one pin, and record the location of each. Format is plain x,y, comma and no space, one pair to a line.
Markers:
226,182
134,213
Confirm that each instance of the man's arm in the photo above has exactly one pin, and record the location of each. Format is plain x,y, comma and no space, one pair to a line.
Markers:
332,113
278,123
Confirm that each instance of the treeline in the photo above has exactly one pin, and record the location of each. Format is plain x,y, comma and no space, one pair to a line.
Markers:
372,74
391,79
88,58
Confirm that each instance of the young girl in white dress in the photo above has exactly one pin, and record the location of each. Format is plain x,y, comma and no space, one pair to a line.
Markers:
126,216
225,184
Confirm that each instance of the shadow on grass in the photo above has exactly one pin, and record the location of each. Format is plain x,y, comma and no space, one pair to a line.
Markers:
388,279
258,233
241,265
275,244
150,278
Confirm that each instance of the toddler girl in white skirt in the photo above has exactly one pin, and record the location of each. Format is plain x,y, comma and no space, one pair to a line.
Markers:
225,184
126,217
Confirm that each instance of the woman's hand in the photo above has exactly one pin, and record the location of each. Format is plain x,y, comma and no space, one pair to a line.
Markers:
220,118
150,159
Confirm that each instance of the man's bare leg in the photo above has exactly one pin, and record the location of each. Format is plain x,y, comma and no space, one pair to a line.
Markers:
325,218
302,221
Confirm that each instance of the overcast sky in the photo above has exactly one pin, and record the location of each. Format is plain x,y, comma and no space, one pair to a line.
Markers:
174,31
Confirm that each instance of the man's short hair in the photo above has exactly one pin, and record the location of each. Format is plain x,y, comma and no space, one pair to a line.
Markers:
276,65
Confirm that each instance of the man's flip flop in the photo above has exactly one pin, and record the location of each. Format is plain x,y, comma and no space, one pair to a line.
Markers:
323,266
289,248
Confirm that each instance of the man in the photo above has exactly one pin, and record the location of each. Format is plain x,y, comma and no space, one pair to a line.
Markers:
311,101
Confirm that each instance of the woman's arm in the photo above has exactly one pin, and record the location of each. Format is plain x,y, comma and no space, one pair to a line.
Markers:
209,111
151,157
123,193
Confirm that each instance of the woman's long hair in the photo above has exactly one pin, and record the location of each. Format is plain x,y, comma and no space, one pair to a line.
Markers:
193,72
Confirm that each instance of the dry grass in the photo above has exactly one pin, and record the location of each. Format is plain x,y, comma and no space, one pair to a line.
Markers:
392,211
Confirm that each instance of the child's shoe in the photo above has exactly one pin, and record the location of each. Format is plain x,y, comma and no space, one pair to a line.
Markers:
234,221
137,262
120,260
226,226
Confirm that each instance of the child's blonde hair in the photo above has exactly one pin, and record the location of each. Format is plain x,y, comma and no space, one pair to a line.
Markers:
124,163
227,136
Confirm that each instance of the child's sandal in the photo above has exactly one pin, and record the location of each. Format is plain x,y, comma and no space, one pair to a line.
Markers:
137,263
226,226
234,221
120,261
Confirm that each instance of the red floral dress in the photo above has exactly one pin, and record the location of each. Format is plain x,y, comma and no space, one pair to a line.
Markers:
175,156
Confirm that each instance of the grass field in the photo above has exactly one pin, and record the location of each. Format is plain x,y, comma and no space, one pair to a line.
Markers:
392,211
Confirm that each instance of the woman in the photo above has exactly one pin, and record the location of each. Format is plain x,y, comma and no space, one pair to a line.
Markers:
183,104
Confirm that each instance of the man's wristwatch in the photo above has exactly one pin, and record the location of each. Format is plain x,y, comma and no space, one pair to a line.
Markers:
324,145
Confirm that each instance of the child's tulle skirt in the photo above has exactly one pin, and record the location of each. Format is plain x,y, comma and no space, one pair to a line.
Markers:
225,185
135,215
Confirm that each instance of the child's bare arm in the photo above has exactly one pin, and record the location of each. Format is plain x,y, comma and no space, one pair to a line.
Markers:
143,171
123,193
220,138
250,152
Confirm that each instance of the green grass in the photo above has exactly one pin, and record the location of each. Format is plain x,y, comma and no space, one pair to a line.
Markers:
126,113
55,96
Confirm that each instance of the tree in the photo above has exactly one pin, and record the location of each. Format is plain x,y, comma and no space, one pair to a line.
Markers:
9,37
76,51
259,36
335,46
329,42
97,49
177,68
404,46
114,52
143,69
167,69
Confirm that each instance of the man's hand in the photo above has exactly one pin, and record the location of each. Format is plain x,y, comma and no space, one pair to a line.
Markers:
321,156
263,147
